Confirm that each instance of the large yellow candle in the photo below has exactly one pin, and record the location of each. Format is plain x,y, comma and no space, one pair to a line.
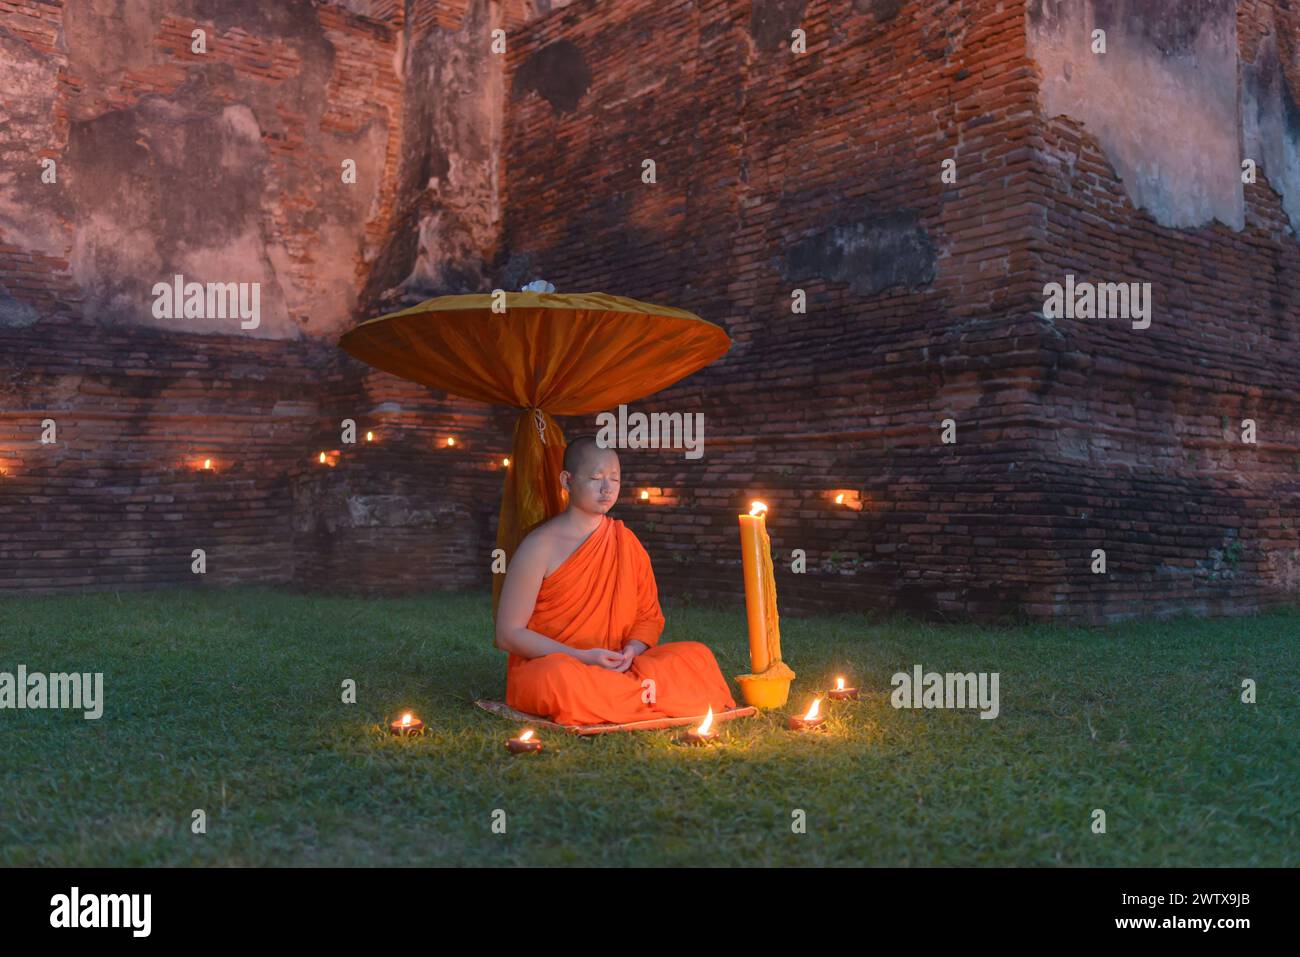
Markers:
760,590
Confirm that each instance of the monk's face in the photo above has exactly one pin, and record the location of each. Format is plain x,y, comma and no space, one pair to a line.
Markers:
593,487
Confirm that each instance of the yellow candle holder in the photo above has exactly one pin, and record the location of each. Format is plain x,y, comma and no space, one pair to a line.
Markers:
771,689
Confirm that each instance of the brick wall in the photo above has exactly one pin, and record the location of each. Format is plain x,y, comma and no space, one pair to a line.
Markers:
1144,427
820,172
225,165
775,172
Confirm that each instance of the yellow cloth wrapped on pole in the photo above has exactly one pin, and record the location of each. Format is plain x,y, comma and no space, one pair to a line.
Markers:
533,492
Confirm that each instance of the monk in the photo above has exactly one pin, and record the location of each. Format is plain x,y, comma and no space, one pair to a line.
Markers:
579,614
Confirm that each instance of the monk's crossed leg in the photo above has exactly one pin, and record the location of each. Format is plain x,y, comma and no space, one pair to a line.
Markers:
572,692
686,676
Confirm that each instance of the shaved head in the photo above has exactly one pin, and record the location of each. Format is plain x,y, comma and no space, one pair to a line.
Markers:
581,451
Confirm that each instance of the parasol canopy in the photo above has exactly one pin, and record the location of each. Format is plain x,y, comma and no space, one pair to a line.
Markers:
547,354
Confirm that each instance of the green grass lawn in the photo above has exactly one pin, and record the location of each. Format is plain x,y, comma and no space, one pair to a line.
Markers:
231,702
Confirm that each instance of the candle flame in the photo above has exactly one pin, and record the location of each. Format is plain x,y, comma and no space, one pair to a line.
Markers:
706,723
370,436
207,463
644,495
812,710
839,684
451,440
322,458
506,462
406,720
757,508
527,735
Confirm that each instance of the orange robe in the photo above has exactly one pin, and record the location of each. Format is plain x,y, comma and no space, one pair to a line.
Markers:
603,596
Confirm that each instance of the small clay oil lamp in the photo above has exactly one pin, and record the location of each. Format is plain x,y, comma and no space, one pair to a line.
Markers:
524,744
810,721
701,735
840,693
408,724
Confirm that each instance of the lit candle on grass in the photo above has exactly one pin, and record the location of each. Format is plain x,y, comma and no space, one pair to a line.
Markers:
408,724
810,721
701,735
840,693
526,743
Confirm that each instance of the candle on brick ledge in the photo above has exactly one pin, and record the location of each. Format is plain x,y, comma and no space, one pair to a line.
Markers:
846,498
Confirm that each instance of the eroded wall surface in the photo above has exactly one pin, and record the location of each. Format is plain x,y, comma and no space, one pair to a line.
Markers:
227,166
819,172
1147,428
1161,99
776,172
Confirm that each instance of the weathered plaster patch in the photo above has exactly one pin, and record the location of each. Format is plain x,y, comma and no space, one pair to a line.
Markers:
1162,101
1271,125
161,190
558,73
15,314
449,201
772,21
882,10
33,213
871,255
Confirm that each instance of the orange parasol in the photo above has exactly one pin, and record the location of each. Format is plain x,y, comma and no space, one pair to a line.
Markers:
547,354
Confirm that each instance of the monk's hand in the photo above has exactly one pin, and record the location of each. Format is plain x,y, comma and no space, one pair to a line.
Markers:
603,658
630,651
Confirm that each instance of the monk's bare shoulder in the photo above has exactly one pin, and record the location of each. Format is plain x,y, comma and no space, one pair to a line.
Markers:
537,547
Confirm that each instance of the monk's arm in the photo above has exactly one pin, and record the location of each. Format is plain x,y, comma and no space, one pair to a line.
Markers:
518,599
649,623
